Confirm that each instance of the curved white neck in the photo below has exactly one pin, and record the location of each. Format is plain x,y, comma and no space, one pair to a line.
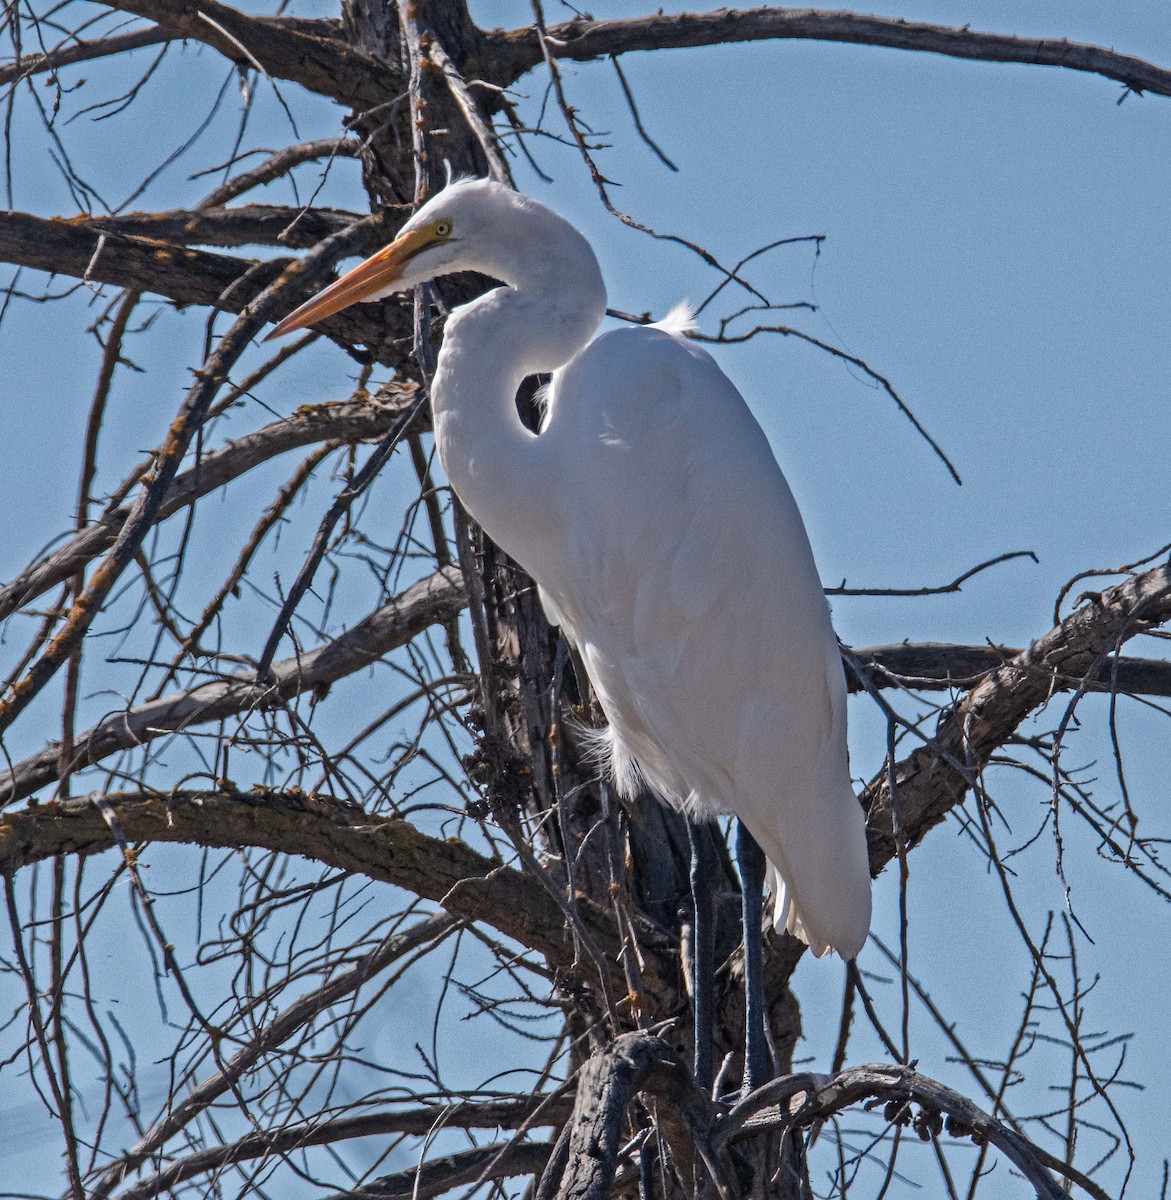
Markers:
544,318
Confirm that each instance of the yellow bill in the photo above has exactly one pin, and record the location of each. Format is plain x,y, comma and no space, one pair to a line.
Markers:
378,273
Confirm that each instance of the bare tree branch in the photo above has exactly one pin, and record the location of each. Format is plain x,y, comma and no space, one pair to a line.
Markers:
283,49
281,163
605,1087
935,666
439,1175
78,248
432,601
261,1042
144,511
245,225
932,780
508,56
823,1096
358,419
67,55
81,248
533,1111
338,834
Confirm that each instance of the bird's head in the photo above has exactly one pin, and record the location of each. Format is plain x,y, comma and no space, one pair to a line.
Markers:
451,232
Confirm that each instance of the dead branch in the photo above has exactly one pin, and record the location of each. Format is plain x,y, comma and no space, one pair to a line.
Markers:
438,1175
294,50
259,1043
76,247
297,228
79,247
144,511
805,1100
340,507
531,1111
935,778
508,56
281,163
934,666
431,601
358,419
606,1085
77,52
943,589
341,835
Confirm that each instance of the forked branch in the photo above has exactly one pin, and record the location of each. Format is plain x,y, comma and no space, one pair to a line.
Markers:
930,782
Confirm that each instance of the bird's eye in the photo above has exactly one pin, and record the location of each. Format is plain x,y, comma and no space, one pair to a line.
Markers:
442,228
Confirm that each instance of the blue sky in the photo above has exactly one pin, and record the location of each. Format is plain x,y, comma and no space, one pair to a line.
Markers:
997,244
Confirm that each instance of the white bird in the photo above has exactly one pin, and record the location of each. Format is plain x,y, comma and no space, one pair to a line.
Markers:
661,532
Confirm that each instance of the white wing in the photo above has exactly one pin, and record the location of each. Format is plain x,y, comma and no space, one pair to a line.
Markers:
686,581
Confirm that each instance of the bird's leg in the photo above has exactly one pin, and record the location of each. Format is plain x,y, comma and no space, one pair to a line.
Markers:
750,860
703,964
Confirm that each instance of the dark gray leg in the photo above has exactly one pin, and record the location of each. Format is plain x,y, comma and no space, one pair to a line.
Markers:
703,964
750,860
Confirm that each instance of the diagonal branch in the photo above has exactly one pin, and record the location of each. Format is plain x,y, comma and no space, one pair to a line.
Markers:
78,52
507,56
932,780
355,420
281,162
438,1176
431,601
300,1013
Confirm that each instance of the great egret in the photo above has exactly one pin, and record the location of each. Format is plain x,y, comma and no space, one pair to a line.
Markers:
666,544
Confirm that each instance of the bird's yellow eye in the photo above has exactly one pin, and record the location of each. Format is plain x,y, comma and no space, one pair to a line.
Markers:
442,228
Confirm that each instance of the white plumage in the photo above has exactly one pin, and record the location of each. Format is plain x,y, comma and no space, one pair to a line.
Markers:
662,533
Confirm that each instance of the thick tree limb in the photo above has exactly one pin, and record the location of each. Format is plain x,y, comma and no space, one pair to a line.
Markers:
507,56
296,50
76,247
77,52
431,601
822,1097
930,782
82,248
340,835
605,1087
